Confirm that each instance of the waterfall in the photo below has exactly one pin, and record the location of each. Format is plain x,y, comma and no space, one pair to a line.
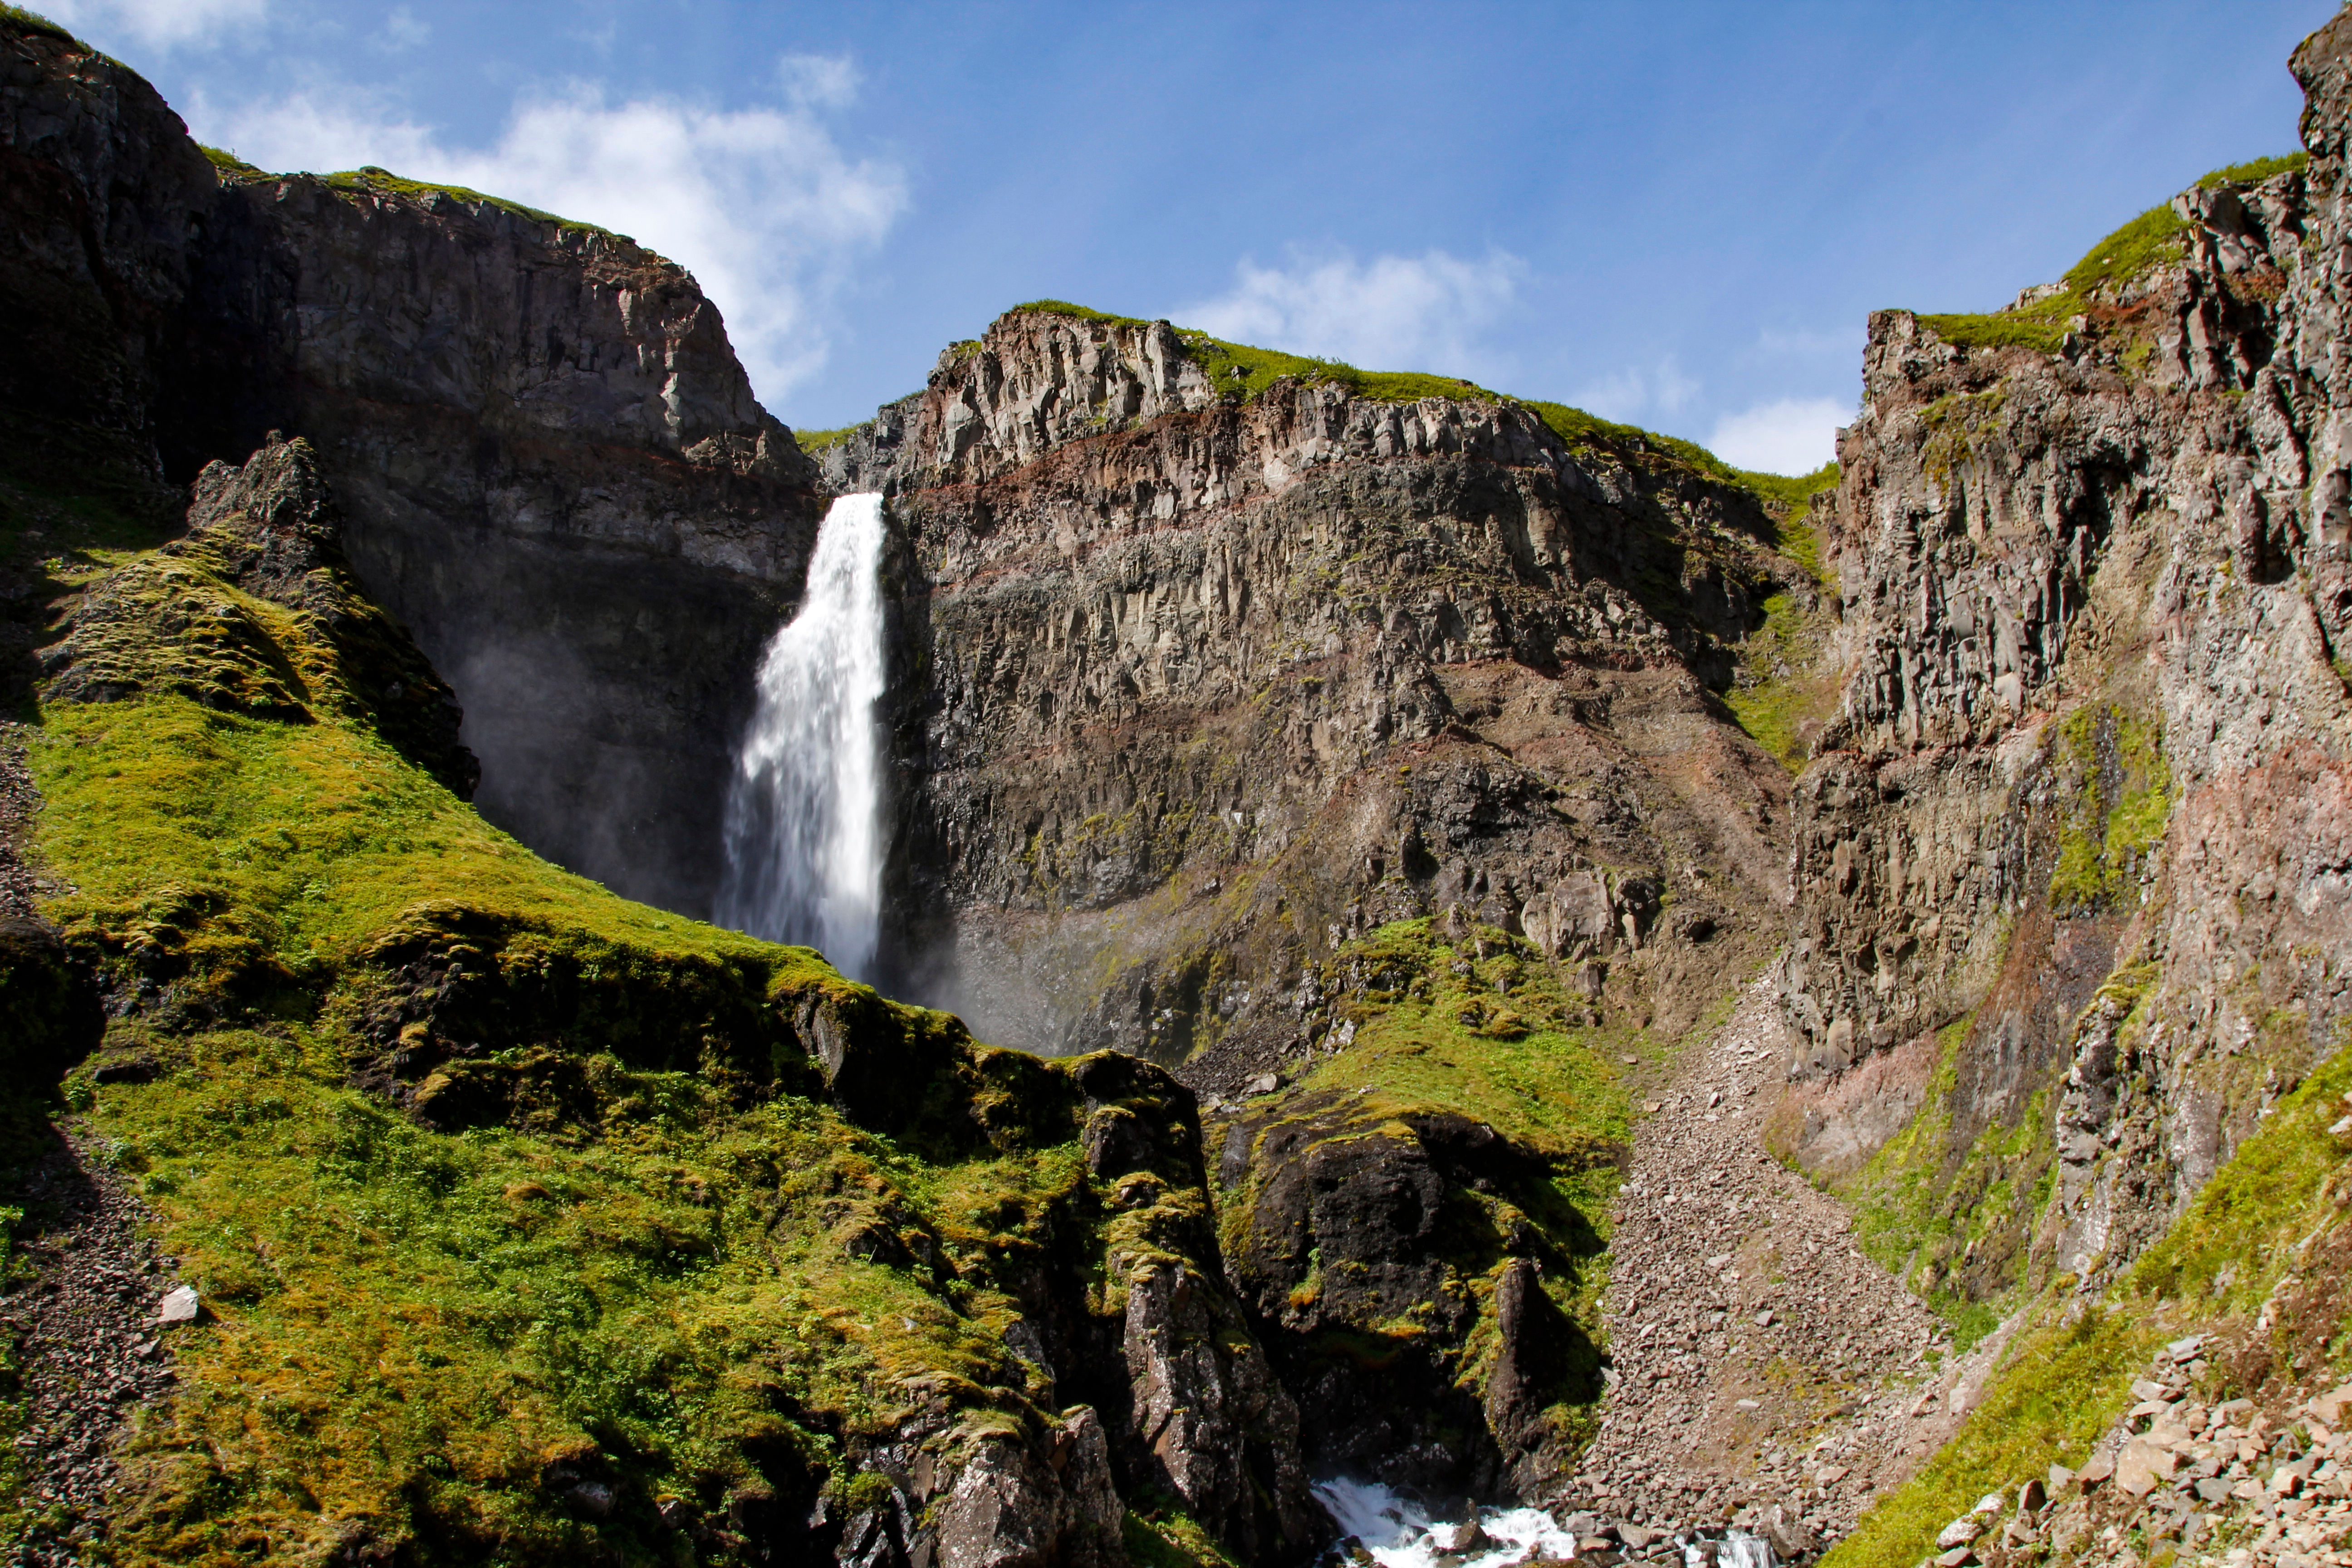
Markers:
804,834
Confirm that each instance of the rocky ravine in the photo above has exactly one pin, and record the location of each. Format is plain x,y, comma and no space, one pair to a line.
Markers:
1764,1370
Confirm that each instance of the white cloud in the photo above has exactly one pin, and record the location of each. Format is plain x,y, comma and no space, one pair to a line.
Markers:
818,82
1395,312
1792,436
1633,394
761,205
156,23
403,29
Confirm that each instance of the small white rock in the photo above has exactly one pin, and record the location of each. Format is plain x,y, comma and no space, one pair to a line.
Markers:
180,1307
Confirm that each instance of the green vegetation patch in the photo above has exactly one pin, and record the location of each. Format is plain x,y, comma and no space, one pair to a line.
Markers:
1952,1222
373,181
34,22
1481,1026
1783,696
2153,240
2115,790
229,163
1454,1039
2069,1377
815,441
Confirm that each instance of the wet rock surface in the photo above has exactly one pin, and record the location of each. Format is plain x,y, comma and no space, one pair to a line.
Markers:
1763,1370
83,1313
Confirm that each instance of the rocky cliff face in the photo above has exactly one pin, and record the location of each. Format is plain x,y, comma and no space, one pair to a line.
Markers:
1333,651
552,467
2076,835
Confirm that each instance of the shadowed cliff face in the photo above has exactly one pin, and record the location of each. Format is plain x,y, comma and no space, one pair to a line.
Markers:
552,467
2086,805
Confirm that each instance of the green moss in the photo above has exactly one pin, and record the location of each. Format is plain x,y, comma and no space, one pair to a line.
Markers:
2153,240
1951,1214
231,164
1166,1537
2256,171
1793,492
385,183
2070,1376
34,22
1781,696
815,441
2116,791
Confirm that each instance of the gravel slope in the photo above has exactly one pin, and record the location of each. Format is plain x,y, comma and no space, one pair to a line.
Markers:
1762,1363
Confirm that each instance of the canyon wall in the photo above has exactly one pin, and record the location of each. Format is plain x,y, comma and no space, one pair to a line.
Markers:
1202,685
1191,686
2074,862
552,463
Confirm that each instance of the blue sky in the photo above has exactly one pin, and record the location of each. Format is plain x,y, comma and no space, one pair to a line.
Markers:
1674,213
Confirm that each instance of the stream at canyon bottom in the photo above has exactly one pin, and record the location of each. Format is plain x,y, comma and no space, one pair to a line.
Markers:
803,833
1398,1533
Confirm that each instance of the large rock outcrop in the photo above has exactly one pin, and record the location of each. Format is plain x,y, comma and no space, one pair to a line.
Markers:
551,465
1169,661
2085,806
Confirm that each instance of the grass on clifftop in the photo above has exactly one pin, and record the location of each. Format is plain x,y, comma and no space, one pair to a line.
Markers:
34,22
383,182
1244,372
2149,241
413,1325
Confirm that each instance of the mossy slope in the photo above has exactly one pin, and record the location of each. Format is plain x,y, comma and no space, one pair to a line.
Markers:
535,1225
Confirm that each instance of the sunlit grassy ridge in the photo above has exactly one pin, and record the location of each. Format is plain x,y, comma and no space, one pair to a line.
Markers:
414,1325
2152,240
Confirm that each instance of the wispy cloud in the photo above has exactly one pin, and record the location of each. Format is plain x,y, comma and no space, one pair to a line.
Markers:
1661,390
158,24
1425,313
1791,435
402,30
763,205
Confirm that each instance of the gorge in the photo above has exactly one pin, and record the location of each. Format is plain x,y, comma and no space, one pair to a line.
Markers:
1164,942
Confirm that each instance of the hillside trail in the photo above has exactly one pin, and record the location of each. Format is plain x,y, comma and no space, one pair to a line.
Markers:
1767,1373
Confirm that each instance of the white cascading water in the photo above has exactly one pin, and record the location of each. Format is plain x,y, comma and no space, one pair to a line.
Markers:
1398,1533
804,834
